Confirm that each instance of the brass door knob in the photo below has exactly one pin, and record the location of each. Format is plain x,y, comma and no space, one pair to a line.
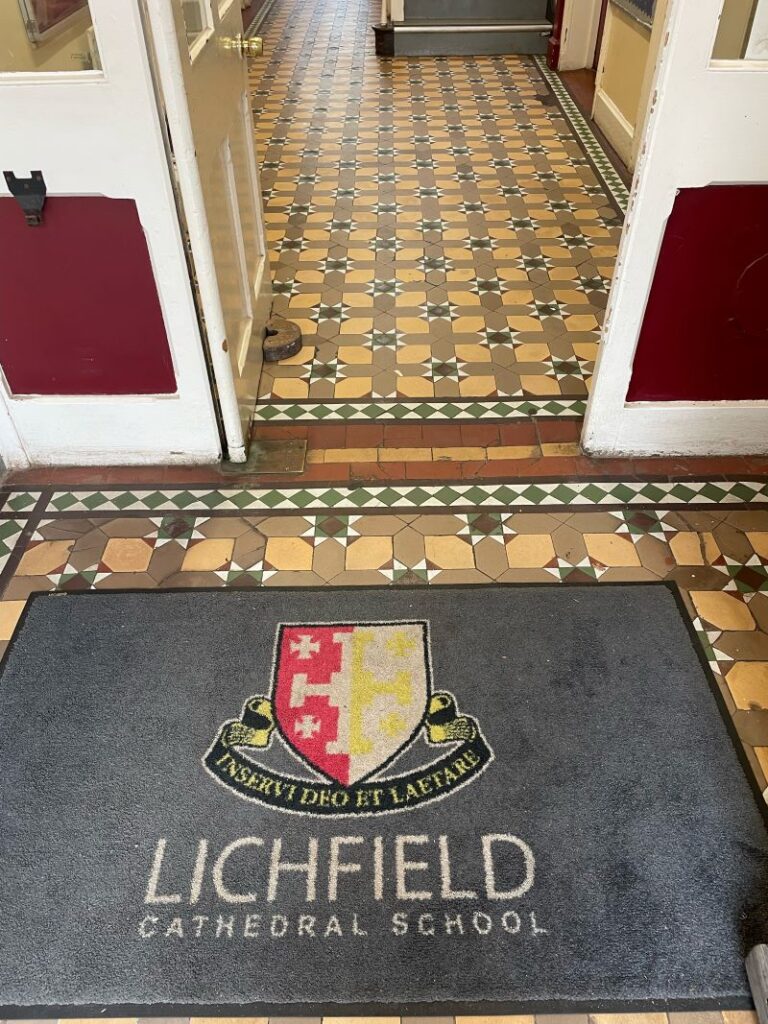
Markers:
253,47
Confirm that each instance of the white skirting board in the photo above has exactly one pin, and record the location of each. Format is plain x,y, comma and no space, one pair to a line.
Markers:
614,126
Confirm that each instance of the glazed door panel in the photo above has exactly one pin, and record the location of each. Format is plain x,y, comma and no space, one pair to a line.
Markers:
205,90
78,103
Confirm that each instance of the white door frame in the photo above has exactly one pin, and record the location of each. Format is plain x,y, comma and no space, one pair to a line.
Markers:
100,133
171,76
757,47
204,90
708,124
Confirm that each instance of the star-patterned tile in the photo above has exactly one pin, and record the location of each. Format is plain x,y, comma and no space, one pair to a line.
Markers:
447,204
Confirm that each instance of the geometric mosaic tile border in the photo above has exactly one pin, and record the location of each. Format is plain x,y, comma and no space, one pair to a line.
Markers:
10,531
19,501
581,127
523,494
290,412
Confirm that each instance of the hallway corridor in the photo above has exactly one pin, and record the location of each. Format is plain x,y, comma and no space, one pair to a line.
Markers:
443,229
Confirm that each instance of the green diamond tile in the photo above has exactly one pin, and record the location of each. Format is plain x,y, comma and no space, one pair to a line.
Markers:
684,492
593,493
534,494
122,501
446,495
564,494
653,492
743,492
9,528
716,492
623,493
20,501
241,499
95,500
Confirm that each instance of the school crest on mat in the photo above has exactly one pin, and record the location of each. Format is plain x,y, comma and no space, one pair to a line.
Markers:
347,699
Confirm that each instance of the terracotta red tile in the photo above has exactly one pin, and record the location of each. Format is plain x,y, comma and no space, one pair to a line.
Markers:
329,435
402,434
279,432
364,435
479,433
362,471
312,474
518,432
441,435
579,466
434,470
682,467
559,430
504,469
728,466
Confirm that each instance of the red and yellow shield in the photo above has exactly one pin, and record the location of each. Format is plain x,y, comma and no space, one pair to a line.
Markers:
348,698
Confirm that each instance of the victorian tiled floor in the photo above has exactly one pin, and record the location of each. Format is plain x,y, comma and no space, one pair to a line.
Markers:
709,538
733,1017
442,229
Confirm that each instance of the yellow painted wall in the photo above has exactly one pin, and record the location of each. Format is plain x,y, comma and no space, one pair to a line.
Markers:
732,31
62,51
623,61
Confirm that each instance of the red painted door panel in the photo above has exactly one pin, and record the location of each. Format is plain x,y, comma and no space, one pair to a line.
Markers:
705,332
79,309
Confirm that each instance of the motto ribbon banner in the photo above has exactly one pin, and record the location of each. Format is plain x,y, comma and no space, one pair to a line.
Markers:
442,725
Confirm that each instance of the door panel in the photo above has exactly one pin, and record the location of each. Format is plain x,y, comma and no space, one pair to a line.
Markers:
708,127
100,330
210,122
98,133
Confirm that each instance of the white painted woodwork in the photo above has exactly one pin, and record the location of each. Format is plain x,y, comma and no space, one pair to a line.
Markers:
708,124
205,92
581,19
617,128
614,126
757,45
99,133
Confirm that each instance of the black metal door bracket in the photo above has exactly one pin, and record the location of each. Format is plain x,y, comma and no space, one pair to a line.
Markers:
29,193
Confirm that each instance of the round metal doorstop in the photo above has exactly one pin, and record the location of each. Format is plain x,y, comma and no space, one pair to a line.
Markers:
283,339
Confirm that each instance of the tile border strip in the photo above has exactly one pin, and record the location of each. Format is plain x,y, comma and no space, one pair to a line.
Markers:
586,136
448,409
582,494
11,532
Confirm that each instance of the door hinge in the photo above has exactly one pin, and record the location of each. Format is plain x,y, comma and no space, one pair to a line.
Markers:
30,194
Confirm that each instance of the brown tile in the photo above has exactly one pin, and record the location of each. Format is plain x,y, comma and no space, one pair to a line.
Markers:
207,555
611,549
369,553
530,551
446,552
127,554
10,612
724,611
748,684
44,557
289,553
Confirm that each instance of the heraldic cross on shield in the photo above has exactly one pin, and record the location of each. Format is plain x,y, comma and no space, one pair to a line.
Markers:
347,699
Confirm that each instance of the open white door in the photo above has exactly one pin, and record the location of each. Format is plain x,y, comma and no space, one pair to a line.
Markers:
100,348
706,143
202,71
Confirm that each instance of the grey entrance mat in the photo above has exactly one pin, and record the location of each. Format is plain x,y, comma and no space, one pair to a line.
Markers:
511,798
